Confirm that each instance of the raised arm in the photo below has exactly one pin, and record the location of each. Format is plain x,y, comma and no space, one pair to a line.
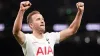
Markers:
72,29
18,34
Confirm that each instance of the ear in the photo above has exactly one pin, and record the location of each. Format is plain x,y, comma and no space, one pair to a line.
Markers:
31,25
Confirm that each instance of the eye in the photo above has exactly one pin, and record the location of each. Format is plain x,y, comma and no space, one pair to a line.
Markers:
38,18
42,18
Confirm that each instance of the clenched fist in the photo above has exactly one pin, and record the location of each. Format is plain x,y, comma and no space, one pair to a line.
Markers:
80,6
25,5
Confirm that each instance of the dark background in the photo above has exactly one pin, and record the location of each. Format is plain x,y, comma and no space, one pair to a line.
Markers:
54,11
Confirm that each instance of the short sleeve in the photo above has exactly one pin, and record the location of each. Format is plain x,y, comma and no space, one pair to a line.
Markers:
25,42
55,36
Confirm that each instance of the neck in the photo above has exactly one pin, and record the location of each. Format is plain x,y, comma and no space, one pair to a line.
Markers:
38,34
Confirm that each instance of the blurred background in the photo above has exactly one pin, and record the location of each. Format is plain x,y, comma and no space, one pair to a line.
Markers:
58,15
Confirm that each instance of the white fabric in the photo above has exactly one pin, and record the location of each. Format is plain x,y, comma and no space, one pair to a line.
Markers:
40,47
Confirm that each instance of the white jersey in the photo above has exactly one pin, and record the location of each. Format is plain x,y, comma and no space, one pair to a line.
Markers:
40,47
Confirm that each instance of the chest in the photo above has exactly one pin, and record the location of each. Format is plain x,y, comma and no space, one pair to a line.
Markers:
43,47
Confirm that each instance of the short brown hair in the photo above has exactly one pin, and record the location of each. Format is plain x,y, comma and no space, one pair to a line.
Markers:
29,17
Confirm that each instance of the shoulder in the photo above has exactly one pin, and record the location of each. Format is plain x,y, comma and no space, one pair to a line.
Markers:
52,33
28,35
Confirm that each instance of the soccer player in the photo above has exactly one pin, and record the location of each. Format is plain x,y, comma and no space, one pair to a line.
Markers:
39,43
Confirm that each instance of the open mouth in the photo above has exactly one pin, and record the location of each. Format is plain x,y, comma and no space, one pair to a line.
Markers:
41,25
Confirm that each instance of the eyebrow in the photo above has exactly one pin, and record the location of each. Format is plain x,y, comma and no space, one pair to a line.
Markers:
40,18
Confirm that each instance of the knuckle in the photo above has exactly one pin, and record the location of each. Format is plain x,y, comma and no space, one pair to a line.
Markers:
22,2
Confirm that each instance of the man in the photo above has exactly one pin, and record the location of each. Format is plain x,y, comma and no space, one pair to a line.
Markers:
39,43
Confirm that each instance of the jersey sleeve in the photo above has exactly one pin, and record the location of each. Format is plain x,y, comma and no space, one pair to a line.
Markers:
25,42
24,45
55,37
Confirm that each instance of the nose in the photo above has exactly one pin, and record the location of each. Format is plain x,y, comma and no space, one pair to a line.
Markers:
42,21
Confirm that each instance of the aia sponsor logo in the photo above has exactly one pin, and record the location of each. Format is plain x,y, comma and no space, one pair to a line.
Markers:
44,50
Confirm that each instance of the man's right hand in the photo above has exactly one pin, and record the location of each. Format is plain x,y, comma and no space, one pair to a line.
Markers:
19,35
25,5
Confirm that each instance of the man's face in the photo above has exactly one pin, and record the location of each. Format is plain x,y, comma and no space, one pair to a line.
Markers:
38,22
